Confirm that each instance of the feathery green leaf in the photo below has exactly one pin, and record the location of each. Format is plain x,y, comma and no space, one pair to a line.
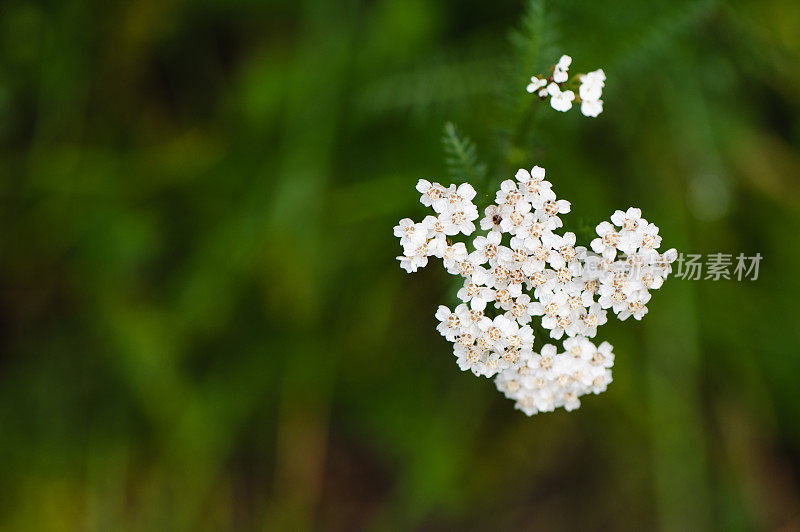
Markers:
461,156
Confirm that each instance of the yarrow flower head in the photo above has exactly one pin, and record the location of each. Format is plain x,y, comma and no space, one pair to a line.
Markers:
561,90
519,272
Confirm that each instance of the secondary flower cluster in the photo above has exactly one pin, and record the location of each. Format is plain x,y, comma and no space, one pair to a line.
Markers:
518,255
561,97
549,379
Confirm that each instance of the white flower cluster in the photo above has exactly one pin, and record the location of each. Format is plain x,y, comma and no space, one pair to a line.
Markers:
561,98
549,379
518,255
624,285
456,213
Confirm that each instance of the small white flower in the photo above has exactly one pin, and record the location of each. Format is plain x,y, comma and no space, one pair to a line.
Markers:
594,317
579,347
590,91
494,330
517,258
487,247
454,255
504,297
535,84
629,241
543,364
466,266
650,238
482,276
514,219
404,228
508,196
492,218
571,401
636,306
563,250
562,67
560,100
460,220
475,294
450,326
415,242
662,265
430,192
531,182
539,228
411,234
412,263
603,357
628,220
434,226
499,275
579,295
591,108
592,85
632,225
601,382
521,309
516,341
437,247
469,319
551,306
548,208
648,280
455,198
606,245
537,173
469,358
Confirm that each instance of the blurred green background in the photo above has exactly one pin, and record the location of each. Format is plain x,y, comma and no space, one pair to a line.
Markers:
203,323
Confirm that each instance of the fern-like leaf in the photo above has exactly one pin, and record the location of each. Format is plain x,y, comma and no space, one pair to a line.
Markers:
535,42
534,48
461,156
